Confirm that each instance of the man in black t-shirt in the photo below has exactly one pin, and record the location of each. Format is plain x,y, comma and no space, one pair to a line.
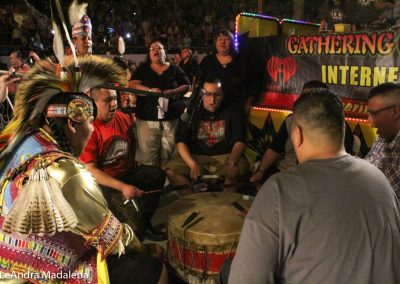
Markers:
212,144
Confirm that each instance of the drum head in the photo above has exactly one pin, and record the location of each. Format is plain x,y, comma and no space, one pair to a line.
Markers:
217,222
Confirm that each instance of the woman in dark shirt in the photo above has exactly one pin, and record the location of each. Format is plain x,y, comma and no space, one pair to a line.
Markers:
157,118
230,68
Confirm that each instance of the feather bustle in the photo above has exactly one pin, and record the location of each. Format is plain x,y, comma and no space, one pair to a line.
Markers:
40,208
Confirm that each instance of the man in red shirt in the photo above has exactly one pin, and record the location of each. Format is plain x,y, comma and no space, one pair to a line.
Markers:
110,157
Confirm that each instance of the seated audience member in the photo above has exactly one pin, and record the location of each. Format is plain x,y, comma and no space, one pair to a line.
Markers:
212,143
110,157
54,218
334,218
384,114
280,155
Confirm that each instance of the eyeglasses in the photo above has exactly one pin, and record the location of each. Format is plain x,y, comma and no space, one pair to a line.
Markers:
208,94
375,112
156,48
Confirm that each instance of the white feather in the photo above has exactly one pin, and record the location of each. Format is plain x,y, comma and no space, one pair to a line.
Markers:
76,12
121,45
58,45
61,14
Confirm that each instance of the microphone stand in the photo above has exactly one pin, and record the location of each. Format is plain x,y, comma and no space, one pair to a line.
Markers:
195,109
193,103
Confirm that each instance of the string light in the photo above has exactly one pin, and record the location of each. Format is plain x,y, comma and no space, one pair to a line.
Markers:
298,22
236,36
362,120
271,109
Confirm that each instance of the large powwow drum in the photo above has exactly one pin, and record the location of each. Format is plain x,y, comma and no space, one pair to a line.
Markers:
204,231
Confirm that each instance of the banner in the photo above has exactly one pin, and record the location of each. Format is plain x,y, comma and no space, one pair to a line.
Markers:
349,63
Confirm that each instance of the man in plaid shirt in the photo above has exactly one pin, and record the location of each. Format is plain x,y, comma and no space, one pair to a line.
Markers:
384,114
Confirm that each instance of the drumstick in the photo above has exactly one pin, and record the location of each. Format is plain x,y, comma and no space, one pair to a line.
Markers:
167,188
194,223
190,218
239,207
152,191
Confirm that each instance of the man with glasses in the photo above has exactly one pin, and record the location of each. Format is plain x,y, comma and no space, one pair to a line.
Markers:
212,144
384,114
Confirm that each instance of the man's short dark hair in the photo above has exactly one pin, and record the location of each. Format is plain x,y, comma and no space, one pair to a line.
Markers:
321,109
314,84
212,80
386,90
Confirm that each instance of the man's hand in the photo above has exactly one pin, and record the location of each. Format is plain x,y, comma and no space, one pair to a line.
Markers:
194,170
34,56
130,191
231,170
169,92
7,79
256,177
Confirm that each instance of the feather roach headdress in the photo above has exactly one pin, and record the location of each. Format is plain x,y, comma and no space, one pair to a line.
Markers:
41,85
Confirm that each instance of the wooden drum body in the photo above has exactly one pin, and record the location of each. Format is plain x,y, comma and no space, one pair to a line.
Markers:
198,249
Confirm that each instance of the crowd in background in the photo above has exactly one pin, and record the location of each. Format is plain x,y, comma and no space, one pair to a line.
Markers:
177,26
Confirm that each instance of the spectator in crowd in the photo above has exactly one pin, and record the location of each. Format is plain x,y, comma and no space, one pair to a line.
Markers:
227,65
110,157
9,85
81,38
332,219
334,12
188,63
213,143
366,14
157,118
280,155
384,114
17,65
6,110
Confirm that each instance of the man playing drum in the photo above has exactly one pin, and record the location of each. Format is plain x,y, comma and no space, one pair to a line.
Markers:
212,144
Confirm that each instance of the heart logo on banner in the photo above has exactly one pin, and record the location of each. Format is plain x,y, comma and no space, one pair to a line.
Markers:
287,66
